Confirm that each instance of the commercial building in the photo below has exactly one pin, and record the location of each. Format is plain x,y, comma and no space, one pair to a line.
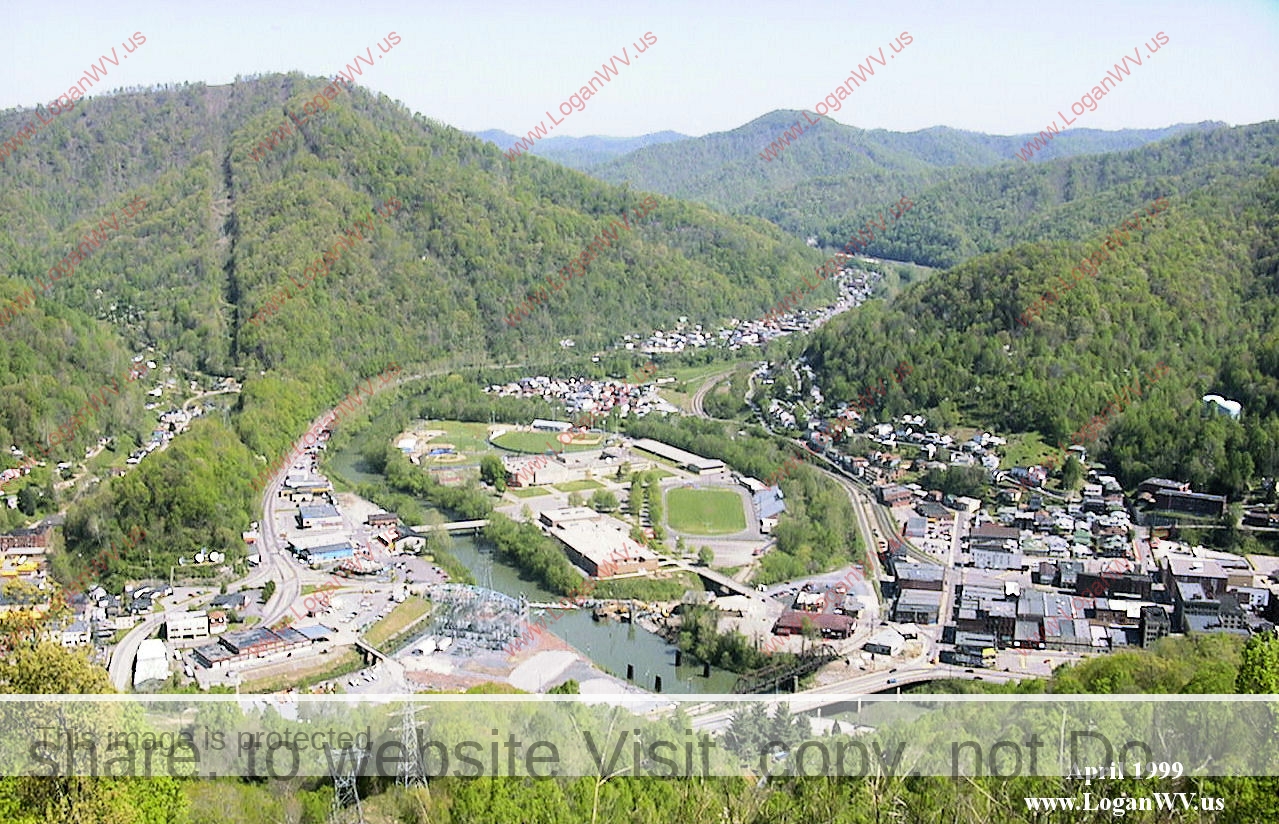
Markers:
1154,625
920,576
828,625
892,494
180,625
305,487
917,606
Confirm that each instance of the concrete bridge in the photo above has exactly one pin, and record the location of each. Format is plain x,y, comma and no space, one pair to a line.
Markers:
369,652
721,584
454,526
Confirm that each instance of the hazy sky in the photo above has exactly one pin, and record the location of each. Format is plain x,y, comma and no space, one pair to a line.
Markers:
998,67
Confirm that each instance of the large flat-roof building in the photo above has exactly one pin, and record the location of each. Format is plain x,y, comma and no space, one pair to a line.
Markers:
918,606
327,554
246,644
1190,503
602,547
685,460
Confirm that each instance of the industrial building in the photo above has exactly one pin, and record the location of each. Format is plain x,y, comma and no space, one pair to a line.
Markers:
327,554
246,644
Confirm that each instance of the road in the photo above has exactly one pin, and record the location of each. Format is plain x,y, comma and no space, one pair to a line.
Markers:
121,667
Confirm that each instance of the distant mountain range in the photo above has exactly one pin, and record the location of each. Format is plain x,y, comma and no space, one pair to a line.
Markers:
582,152
832,172
830,176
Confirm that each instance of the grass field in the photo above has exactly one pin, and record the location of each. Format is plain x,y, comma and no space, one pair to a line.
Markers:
579,486
469,438
323,668
527,492
393,624
705,511
538,442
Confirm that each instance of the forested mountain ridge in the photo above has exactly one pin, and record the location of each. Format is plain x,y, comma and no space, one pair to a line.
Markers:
1196,289
222,233
986,210
833,170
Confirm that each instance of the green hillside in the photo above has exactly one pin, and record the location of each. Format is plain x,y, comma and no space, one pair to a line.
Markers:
1196,289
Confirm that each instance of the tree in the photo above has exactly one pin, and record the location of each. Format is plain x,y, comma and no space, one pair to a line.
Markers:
493,472
1072,472
602,500
575,499
28,500
1259,669
705,556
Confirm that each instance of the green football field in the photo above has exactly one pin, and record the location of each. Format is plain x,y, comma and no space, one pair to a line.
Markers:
705,511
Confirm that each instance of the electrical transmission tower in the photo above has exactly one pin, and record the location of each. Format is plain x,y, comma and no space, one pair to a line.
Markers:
346,795
412,771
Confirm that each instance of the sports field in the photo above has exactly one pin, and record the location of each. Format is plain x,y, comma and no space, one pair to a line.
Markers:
705,511
538,442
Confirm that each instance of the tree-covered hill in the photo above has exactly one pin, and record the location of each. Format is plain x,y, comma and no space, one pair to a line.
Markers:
976,211
222,234
1196,289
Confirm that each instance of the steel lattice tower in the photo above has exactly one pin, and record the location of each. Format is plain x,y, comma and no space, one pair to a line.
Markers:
345,792
412,772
